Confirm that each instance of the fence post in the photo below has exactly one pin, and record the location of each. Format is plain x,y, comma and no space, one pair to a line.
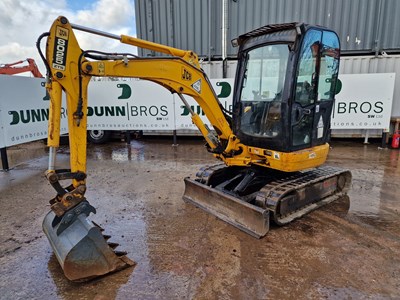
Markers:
4,159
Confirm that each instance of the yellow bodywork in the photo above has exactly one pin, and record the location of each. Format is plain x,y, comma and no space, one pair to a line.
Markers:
179,73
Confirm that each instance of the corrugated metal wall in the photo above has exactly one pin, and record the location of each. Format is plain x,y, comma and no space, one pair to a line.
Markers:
182,24
364,26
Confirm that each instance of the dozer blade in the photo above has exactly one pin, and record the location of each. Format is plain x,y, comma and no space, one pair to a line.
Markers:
81,249
249,218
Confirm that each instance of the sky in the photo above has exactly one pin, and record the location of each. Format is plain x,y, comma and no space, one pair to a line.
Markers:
23,21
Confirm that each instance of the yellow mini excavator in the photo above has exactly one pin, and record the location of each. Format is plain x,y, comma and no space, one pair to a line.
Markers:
271,146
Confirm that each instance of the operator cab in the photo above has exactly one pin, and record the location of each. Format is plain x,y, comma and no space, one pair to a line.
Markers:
285,86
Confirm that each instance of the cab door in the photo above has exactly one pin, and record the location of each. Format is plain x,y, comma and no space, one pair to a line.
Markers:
329,54
315,81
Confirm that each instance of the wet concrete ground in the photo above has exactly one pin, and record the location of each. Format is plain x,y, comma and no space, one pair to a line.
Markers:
349,249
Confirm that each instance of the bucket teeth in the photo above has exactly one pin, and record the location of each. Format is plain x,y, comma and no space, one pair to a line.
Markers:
113,245
97,225
106,237
120,253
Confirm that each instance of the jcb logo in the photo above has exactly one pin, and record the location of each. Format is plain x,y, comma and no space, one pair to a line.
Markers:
62,32
186,75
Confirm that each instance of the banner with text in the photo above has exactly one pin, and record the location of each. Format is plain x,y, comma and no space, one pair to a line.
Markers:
24,110
364,103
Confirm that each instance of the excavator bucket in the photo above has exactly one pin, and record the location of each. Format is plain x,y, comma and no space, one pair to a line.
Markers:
248,218
81,248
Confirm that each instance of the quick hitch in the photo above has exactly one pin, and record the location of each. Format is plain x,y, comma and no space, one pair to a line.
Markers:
67,197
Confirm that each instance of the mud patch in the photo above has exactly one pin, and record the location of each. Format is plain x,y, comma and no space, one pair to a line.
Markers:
347,249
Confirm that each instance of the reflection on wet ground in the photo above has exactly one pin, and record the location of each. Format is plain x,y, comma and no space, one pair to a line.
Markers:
347,249
134,151
151,150
375,191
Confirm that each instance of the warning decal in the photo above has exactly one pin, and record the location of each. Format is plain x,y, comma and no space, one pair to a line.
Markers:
197,86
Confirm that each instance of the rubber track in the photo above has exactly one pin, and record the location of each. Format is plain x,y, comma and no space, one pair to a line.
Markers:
273,192
270,195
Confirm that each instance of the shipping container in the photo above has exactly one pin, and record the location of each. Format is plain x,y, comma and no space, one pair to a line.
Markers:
364,26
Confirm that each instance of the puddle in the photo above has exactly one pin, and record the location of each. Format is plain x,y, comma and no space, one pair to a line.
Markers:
344,250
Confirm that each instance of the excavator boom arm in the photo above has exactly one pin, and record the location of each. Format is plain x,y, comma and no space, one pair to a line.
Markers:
12,69
174,74
179,73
